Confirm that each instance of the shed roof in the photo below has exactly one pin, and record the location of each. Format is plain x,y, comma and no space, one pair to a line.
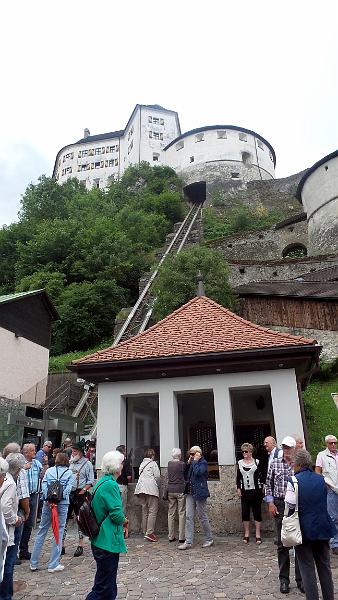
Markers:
7,298
291,288
200,327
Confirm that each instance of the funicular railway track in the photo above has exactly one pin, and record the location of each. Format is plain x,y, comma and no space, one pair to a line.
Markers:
141,312
139,315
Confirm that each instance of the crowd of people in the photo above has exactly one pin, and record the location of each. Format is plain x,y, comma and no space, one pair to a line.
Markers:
283,478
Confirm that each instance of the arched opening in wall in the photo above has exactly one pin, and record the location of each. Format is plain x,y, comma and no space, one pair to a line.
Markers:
196,192
247,159
294,251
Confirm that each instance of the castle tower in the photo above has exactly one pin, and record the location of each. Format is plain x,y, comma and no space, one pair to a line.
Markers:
220,156
318,191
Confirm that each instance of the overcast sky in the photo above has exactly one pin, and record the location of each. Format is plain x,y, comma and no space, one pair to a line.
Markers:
270,66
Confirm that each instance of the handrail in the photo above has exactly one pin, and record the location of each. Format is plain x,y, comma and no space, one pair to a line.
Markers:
147,287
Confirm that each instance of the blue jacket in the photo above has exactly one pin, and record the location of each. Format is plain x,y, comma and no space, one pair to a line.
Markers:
197,474
314,519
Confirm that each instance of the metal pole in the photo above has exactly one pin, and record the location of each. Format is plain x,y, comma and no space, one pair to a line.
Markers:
45,425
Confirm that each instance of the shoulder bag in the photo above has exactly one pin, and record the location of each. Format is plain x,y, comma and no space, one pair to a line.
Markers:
291,534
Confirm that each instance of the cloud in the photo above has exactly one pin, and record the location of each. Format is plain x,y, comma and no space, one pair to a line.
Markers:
20,165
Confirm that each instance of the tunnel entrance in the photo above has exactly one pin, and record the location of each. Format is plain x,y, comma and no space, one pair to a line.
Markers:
196,192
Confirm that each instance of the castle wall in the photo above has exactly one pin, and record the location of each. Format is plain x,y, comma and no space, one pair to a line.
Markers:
243,271
269,243
328,339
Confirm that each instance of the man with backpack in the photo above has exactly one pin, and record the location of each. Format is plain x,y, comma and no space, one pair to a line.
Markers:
83,480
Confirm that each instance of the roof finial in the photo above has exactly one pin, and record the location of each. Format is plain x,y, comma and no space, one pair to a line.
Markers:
200,285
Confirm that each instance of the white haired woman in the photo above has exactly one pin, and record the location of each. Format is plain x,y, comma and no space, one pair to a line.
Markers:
176,497
197,492
9,470
109,542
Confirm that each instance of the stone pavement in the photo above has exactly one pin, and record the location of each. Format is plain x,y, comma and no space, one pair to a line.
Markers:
159,571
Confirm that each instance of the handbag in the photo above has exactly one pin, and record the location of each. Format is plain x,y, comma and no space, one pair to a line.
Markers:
291,534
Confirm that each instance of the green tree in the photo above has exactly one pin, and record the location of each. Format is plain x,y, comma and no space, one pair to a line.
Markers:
87,314
177,280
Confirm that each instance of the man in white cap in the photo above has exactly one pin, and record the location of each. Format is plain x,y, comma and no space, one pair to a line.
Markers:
279,472
327,465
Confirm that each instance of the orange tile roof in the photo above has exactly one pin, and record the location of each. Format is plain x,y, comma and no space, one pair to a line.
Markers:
201,326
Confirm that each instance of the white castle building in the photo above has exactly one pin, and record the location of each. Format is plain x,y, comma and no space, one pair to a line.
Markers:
153,134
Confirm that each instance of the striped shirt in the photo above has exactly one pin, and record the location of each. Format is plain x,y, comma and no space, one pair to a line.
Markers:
277,479
33,475
22,489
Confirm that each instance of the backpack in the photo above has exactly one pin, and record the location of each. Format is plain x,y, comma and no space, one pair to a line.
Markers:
55,489
86,518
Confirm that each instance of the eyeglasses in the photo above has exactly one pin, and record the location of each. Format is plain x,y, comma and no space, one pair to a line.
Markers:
192,453
332,442
245,451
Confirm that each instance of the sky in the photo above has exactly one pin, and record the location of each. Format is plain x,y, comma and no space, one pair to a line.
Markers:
270,66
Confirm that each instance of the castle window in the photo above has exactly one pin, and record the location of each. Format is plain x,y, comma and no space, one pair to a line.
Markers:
179,145
234,175
156,157
199,137
150,119
271,157
97,151
96,183
97,165
247,158
150,134
243,137
241,270
326,168
130,147
110,162
192,158
156,135
294,251
260,144
221,134
161,121
156,120
116,162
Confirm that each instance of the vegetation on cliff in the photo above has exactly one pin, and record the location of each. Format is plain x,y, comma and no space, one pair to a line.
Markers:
89,248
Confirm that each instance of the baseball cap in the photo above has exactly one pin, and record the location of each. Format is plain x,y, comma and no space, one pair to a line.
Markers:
289,442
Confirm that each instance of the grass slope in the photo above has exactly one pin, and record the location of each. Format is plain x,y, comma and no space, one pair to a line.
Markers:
321,412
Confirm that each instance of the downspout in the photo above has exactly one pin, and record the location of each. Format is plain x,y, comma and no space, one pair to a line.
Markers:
302,412
259,170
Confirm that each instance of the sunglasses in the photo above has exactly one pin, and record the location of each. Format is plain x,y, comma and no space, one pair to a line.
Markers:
245,451
332,442
192,453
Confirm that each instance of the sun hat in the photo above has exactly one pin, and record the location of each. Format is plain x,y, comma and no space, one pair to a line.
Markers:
289,442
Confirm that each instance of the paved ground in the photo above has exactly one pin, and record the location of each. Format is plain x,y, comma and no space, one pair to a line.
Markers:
153,571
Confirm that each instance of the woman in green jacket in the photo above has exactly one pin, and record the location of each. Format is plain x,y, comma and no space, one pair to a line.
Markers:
109,542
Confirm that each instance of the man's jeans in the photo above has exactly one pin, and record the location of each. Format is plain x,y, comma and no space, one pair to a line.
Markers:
6,586
105,578
200,507
312,555
332,509
45,523
28,525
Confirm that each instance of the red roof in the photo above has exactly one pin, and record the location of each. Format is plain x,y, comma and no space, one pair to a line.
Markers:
199,327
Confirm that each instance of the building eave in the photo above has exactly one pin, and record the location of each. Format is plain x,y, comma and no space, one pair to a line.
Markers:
260,359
